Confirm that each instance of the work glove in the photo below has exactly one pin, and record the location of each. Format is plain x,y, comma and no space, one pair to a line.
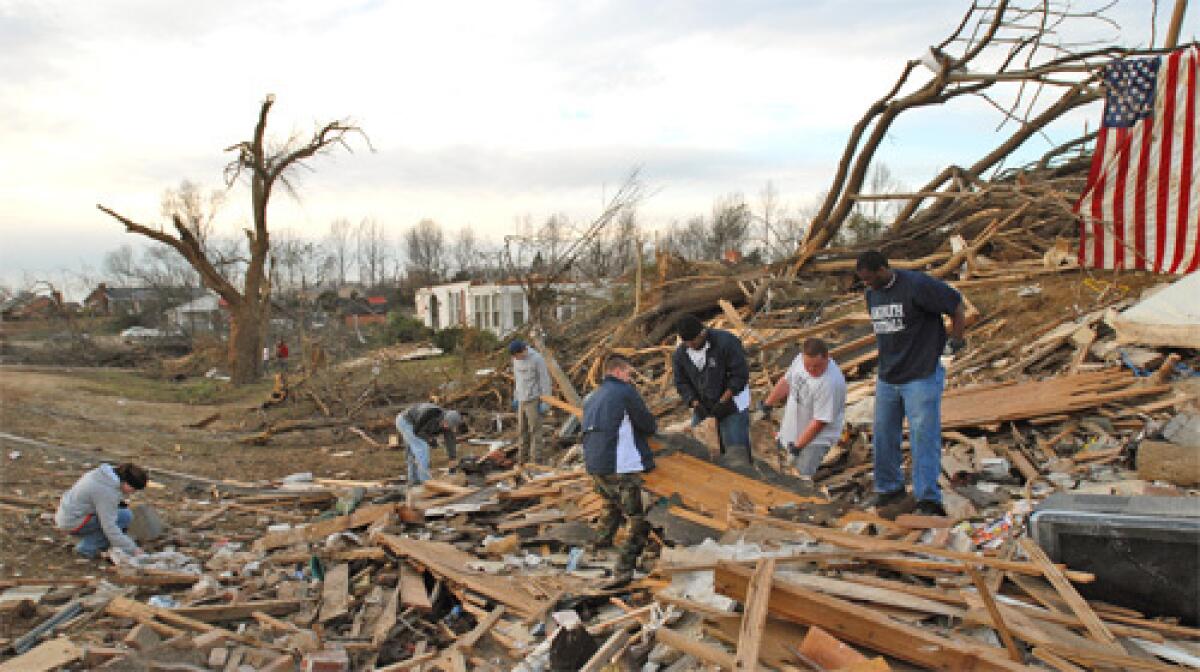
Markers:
955,345
724,409
763,411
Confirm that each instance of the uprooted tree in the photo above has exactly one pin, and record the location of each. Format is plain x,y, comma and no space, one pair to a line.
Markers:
264,164
1010,53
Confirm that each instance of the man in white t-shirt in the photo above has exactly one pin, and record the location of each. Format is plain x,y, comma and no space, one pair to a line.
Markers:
815,411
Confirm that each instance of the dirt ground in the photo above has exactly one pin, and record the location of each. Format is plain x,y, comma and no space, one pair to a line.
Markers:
108,414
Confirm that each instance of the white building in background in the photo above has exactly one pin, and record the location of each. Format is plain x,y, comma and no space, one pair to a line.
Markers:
498,307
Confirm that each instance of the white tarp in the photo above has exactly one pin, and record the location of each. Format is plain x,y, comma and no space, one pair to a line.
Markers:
1169,317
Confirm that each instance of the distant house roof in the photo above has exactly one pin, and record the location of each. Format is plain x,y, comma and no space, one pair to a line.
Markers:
374,305
205,304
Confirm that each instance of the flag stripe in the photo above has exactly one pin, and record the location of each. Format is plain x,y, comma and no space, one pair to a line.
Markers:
1140,208
1187,133
1167,89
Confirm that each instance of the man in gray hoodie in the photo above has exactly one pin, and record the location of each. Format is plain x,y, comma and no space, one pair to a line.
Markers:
92,509
531,380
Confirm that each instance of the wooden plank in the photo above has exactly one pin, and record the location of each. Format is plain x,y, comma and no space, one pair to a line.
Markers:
564,383
874,594
46,656
997,620
754,615
1055,576
335,593
387,619
600,660
315,531
295,557
239,610
562,405
847,540
863,625
697,649
411,585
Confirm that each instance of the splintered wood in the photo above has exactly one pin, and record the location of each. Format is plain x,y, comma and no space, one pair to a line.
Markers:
1001,402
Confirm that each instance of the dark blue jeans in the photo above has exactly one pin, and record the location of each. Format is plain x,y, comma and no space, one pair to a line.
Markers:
92,539
735,430
921,401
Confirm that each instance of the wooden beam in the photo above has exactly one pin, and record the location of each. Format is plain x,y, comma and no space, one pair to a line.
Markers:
1176,24
754,615
562,405
1095,627
564,382
44,657
848,540
864,626
697,649
362,517
335,593
997,620
239,610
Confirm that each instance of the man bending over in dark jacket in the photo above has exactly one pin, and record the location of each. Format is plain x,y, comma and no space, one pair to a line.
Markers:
616,423
712,376
421,425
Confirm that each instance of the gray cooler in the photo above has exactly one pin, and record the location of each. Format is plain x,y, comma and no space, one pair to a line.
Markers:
1144,551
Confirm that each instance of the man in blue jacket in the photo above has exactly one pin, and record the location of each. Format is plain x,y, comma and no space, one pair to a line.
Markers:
712,376
616,423
906,310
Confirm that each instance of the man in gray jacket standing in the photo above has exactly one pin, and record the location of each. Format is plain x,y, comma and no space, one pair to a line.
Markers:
92,509
531,380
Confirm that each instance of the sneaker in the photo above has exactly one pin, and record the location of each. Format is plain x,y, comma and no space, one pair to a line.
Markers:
928,507
879,500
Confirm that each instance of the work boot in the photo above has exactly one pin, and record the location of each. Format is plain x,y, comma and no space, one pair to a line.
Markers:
928,507
879,500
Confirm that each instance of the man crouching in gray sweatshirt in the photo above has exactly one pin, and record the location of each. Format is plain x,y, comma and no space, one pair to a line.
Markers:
92,509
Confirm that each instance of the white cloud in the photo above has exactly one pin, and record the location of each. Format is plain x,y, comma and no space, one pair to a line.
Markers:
479,111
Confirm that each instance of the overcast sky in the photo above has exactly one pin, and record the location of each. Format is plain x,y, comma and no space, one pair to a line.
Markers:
479,112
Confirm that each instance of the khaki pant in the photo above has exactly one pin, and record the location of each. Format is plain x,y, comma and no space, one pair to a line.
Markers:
529,427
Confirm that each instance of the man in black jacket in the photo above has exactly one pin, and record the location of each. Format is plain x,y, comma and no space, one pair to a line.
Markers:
420,425
712,376
616,423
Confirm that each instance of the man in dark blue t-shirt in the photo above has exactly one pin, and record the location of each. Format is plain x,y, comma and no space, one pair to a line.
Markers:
906,310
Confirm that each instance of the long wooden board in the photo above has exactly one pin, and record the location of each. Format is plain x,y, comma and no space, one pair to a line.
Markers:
451,565
46,656
1001,402
360,518
864,626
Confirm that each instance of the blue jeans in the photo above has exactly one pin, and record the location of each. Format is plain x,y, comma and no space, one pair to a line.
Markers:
921,401
92,539
735,430
418,453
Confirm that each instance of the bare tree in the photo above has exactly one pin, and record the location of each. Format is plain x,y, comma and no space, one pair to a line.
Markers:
264,165
196,208
372,251
541,263
338,242
425,249
466,252
120,266
1019,49
730,226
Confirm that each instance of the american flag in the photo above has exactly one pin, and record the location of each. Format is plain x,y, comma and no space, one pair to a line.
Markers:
1141,207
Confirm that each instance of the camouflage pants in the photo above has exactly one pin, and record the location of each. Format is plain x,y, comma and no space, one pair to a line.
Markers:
622,495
